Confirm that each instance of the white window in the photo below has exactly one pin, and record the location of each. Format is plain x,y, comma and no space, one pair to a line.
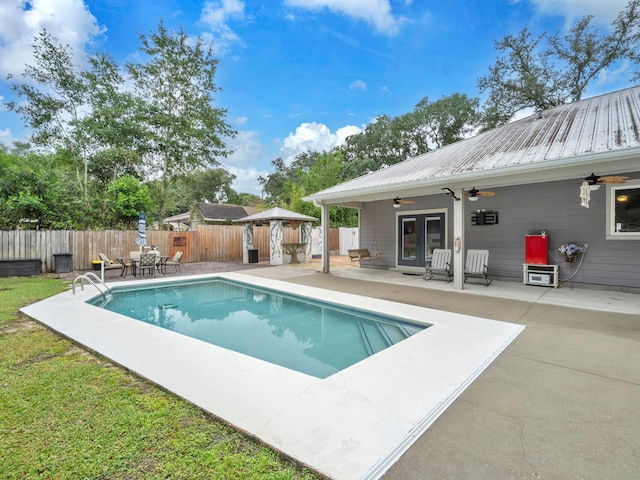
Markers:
623,211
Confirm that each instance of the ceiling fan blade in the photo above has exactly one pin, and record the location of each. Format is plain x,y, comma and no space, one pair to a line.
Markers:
486,194
613,179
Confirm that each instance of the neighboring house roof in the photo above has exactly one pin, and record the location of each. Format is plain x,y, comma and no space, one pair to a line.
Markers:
600,133
216,212
277,213
179,218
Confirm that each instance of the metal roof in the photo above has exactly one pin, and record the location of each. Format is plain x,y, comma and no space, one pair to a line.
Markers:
277,213
592,133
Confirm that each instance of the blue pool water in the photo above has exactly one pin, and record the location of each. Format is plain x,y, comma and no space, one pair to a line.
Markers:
311,337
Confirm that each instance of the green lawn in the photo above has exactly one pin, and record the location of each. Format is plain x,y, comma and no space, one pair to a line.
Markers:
68,414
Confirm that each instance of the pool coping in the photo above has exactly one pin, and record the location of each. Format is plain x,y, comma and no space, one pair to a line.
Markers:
352,425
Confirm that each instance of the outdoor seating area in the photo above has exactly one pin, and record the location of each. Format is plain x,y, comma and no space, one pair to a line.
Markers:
149,262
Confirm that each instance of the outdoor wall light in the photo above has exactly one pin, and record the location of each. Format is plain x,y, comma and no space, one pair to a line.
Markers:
448,191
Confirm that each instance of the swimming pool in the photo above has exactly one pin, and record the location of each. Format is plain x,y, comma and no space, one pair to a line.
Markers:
351,425
312,337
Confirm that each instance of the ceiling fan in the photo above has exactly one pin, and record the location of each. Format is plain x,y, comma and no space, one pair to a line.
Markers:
474,194
595,181
398,202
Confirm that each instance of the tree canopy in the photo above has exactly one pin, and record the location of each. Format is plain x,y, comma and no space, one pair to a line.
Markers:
550,69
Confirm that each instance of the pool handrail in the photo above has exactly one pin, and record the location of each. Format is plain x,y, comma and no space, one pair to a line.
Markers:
88,277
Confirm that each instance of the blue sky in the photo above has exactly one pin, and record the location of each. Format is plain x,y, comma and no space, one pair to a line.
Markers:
299,75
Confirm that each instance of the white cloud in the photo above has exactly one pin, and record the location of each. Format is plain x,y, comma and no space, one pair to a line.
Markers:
247,152
358,85
216,16
344,132
314,136
374,12
241,121
246,180
604,12
6,138
69,21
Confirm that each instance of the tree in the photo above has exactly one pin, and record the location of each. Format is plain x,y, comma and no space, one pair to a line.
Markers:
209,185
35,187
548,70
444,121
78,113
385,141
126,197
55,94
183,131
390,140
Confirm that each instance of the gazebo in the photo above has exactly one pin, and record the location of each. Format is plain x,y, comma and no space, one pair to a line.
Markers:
278,218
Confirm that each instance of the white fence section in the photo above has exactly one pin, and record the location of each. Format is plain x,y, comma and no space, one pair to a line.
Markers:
349,239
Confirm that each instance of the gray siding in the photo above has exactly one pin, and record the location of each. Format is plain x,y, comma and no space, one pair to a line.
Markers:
524,210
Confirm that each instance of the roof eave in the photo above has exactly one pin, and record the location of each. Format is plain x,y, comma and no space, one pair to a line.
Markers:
609,162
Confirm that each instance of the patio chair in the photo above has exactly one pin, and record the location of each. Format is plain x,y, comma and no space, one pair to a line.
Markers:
110,264
161,263
147,262
127,264
440,264
477,265
175,261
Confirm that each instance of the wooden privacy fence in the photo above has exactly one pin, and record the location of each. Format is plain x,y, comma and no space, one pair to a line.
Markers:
209,243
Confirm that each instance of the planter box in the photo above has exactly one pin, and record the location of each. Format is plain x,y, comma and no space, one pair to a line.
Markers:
20,268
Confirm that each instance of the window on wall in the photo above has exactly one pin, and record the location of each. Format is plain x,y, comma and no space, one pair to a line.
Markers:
623,211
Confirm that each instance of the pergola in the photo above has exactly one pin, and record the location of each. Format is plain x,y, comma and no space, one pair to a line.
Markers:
278,218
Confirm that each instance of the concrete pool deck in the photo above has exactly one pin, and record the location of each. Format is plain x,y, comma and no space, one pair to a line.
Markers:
560,402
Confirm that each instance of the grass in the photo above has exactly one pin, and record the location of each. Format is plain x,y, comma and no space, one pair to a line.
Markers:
68,414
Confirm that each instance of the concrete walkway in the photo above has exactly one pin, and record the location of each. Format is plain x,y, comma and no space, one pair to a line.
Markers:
561,402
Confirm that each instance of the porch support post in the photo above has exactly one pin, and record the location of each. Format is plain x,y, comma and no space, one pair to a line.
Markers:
458,241
247,241
325,238
276,235
305,237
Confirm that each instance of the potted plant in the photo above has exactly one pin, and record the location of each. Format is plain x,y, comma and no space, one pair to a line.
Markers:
570,251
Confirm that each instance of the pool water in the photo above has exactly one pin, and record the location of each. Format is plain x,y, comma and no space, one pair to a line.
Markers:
311,337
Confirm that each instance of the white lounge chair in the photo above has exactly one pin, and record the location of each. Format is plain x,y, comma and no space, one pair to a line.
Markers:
440,264
477,265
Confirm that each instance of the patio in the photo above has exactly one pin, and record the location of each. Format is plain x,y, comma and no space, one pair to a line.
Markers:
560,402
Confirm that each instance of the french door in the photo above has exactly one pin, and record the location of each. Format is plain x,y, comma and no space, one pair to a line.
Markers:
418,235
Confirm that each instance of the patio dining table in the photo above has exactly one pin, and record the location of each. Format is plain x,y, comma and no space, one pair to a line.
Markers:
131,263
